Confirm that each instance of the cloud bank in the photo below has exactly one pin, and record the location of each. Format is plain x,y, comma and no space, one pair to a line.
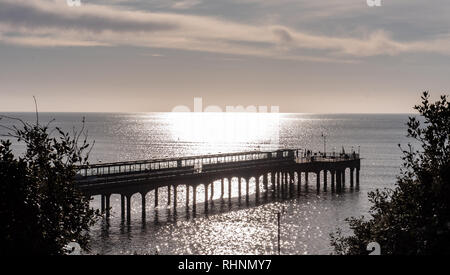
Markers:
46,23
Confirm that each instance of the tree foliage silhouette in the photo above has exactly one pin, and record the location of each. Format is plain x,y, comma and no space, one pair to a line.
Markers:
414,217
41,209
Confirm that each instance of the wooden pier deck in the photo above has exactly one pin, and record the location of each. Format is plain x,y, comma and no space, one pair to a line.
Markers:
272,171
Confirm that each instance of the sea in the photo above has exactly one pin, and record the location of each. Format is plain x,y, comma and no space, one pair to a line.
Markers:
240,227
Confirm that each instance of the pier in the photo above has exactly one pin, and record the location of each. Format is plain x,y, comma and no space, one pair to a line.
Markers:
277,172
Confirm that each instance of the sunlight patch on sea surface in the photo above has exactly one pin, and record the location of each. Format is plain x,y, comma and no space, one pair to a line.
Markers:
227,131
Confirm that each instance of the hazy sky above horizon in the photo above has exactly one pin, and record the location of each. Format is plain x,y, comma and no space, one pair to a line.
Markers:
328,56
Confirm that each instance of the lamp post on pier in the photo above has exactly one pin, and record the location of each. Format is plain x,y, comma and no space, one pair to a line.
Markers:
324,143
279,213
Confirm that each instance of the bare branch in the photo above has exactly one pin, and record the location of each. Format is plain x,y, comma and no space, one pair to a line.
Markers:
15,118
50,122
90,149
36,107
81,130
10,135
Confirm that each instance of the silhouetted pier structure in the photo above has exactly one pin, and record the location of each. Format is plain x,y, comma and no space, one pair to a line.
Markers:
274,172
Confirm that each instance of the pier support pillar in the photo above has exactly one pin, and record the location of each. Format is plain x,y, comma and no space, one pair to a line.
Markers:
128,209
266,182
143,206
351,177
338,180
343,177
247,188
206,196
257,183
175,198
107,205
229,188
276,184
187,196
306,180
318,181
333,177
288,183
239,187
156,197
272,180
102,204
291,183
122,207
194,196
272,183
282,183
168,195
212,190
222,188
281,189
357,177
299,182
325,180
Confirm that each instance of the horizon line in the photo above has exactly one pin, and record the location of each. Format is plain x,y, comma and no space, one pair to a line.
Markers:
159,112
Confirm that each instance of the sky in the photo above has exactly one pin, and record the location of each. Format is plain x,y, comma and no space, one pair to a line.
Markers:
327,56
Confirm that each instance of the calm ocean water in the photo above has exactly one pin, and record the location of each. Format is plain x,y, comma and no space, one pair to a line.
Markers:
239,228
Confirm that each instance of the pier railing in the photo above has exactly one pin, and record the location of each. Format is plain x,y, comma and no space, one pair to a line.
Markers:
191,163
327,157
154,168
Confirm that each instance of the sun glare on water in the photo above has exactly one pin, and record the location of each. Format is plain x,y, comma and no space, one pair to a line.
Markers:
225,128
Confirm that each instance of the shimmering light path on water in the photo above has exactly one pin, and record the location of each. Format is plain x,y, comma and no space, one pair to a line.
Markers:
239,228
